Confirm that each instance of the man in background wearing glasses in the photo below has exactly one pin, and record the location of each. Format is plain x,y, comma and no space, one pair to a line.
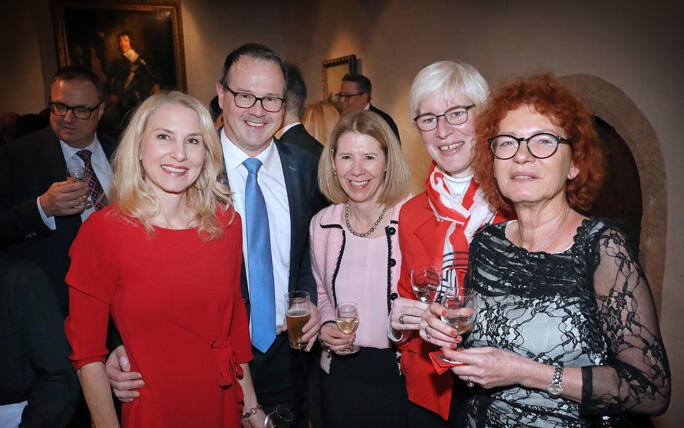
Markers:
355,95
40,211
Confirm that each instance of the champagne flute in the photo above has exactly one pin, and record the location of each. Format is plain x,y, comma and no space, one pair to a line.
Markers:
347,321
461,311
425,282
75,174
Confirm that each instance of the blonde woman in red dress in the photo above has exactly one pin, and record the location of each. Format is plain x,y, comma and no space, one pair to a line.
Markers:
164,260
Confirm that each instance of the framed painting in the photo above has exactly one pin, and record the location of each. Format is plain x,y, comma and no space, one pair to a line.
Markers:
333,71
136,48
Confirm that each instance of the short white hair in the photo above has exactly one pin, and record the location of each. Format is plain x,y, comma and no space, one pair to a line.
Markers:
447,77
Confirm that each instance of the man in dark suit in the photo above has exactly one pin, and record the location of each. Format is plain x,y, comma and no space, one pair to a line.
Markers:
251,93
293,132
40,211
355,95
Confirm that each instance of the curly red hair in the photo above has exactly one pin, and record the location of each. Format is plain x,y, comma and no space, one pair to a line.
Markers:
548,97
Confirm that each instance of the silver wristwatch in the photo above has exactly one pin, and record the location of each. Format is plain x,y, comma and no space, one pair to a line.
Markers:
555,389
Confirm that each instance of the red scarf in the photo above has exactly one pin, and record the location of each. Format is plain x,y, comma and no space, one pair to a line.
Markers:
457,221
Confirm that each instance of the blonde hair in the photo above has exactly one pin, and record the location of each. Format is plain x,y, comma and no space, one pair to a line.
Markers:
136,199
397,176
447,77
319,119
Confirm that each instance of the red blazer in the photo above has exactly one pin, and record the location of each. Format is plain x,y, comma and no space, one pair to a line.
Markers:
419,246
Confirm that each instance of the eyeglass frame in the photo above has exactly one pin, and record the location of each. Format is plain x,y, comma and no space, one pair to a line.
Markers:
340,95
52,105
558,139
260,99
437,116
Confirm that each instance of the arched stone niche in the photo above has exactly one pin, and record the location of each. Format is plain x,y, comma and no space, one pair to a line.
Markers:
613,106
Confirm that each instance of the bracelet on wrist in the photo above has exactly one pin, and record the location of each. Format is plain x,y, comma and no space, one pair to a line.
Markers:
251,412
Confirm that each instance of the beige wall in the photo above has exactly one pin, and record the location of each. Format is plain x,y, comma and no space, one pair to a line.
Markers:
633,46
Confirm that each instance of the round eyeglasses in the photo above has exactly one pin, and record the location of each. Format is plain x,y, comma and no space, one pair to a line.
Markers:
454,116
81,112
541,145
246,100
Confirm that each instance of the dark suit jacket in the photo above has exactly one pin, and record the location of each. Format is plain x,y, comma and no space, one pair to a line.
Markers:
28,167
387,118
299,136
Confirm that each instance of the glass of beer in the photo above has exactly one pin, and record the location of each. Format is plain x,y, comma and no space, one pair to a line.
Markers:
296,316
76,174
347,319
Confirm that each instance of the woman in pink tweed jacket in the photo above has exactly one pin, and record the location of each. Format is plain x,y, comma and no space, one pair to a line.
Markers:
355,258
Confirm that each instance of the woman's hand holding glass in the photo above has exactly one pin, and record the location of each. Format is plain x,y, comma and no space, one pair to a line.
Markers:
406,314
435,331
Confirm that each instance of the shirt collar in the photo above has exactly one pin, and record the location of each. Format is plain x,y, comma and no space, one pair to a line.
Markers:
367,106
287,127
131,55
71,151
234,156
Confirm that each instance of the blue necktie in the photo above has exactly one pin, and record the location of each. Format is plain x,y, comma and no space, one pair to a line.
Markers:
261,285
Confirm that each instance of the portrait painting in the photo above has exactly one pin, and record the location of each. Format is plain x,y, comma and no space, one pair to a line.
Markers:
136,48
333,71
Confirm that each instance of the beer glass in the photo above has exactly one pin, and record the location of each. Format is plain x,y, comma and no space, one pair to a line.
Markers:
298,313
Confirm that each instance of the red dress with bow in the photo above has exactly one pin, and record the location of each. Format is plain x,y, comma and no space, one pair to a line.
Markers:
176,302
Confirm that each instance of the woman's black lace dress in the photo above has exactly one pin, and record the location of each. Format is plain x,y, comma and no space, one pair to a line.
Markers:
589,306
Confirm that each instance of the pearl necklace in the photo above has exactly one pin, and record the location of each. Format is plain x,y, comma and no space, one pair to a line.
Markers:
371,230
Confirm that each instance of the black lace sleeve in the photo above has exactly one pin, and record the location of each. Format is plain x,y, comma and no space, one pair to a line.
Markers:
636,378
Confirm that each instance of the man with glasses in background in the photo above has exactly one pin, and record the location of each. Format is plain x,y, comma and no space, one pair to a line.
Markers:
40,210
355,95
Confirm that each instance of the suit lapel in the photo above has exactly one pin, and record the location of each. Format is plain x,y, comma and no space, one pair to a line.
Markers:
425,233
294,198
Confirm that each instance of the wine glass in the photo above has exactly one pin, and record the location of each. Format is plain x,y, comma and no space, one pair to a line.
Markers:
75,174
461,311
347,321
425,282
281,417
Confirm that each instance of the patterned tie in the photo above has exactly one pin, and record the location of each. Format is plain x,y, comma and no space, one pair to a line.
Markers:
97,194
261,285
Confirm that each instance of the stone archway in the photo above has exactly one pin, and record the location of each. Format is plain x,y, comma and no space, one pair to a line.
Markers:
612,105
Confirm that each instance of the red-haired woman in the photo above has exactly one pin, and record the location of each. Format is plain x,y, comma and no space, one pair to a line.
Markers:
567,330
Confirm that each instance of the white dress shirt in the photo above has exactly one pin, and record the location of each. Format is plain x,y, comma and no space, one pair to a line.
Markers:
100,165
272,182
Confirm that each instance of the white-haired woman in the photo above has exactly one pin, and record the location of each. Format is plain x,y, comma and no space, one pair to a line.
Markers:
164,260
435,227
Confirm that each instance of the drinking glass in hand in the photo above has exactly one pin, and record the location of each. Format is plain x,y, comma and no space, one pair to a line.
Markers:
347,321
281,417
460,312
297,315
425,282
76,174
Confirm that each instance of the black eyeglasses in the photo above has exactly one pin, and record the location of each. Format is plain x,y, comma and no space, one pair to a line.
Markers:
454,116
340,96
540,145
81,112
247,100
